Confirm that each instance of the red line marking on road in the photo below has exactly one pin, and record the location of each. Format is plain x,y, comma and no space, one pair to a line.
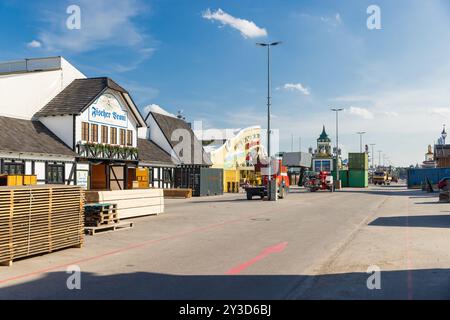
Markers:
266,252
126,249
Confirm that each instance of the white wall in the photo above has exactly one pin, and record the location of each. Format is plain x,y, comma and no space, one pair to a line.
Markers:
24,94
132,123
39,170
62,126
157,136
143,133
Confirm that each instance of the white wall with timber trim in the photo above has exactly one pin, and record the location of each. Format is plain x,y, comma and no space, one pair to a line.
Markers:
61,126
132,123
36,164
25,93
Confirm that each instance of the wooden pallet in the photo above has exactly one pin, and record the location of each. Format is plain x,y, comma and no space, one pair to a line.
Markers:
92,231
99,214
39,219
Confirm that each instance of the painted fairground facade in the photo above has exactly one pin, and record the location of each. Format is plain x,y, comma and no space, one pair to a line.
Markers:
236,152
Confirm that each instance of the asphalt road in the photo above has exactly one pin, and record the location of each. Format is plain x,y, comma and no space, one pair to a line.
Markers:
308,246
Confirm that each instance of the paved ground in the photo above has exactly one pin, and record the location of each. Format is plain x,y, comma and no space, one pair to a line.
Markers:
308,246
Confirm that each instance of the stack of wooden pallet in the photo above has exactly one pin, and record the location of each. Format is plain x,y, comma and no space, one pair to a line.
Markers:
131,203
39,219
100,214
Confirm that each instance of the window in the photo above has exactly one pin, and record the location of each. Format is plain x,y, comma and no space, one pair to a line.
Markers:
13,168
129,138
85,131
122,137
104,134
113,138
55,174
94,133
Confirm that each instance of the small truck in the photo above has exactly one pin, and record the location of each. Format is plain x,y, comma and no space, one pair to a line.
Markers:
281,178
382,177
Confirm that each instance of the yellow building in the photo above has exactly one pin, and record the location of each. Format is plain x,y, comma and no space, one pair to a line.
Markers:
236,152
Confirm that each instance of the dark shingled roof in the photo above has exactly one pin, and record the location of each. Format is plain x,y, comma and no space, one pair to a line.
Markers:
151,153
18,135
169,124
77,96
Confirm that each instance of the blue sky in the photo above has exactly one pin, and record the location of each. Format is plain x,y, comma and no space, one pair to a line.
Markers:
186,55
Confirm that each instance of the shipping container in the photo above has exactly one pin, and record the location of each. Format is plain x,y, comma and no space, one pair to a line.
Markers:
358,161
202,181
343,176
358,178
211,182
416,177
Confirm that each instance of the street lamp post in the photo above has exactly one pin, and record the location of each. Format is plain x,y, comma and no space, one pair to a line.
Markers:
373,155
338,178
379,157
360,140
268,45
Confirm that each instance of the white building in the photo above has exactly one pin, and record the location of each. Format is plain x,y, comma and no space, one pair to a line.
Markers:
66,128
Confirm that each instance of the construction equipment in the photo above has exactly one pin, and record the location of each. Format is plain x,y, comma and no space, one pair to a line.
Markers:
280,176
382,177
321,181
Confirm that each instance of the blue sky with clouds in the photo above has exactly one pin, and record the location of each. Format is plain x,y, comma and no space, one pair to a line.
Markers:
200,57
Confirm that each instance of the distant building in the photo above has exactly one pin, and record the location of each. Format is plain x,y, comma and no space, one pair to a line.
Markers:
429,159
323,156
442,151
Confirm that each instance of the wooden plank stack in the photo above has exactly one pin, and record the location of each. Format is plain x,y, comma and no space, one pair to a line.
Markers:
131,203
39,219
178,193
100,214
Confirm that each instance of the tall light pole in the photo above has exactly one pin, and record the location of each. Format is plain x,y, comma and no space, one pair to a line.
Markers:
292,142
360,140
268,45
379,157
373,155
337,142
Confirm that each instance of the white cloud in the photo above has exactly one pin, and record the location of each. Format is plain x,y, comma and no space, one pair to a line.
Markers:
361,112
157,109
247,28
296,87
333,21
102,25
441,112
34,44
390,113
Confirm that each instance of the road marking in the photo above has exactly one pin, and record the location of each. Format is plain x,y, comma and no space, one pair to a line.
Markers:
127,248
266,252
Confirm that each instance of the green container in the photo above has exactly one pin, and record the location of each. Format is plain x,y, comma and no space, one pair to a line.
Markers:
358,178
343,176
358,161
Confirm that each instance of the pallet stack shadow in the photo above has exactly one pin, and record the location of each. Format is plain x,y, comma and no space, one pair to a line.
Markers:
39,219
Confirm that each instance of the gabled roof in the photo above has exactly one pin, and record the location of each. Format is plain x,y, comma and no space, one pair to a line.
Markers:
150,152
81,93
17,135
168,125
